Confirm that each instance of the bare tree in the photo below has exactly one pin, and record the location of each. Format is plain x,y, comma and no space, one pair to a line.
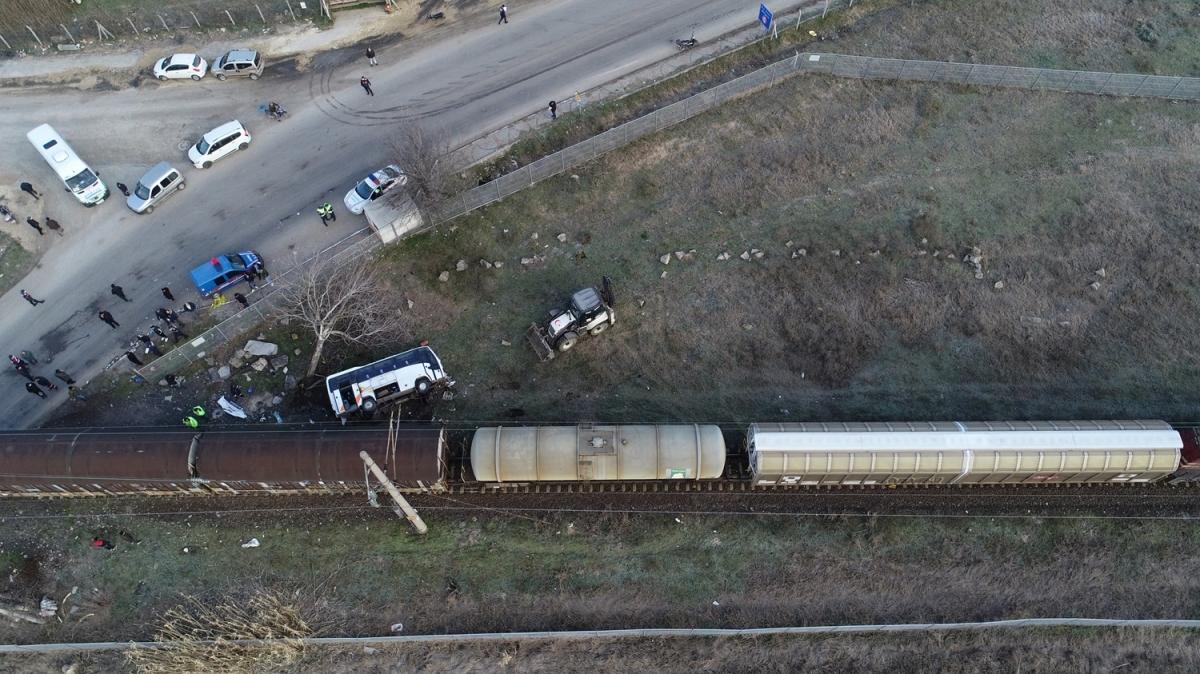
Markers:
425,157
339,299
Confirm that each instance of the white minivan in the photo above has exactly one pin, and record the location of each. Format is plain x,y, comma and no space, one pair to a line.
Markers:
79,178
219,142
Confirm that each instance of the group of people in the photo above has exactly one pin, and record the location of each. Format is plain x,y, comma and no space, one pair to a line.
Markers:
51,223
166,316
37,384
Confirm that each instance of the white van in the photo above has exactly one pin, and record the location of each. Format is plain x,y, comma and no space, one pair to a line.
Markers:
79,178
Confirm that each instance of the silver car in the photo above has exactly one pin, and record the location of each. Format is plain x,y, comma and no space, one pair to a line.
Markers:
238,63
160,182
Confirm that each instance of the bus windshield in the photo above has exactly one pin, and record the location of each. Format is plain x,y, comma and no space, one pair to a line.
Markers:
81,181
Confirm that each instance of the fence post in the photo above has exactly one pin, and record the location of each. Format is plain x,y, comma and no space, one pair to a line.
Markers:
194,18
529,174
826,9
231,21
900,75
163,22
1139,86
1105,85
1177,83
967,79
260,14
1033,85
69,36
289,6
1072,81
6,44
135,30
496,182
35,37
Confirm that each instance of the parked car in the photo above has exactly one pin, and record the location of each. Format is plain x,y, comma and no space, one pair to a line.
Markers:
180,66
160,181
238,63
222,271
219,142
373,186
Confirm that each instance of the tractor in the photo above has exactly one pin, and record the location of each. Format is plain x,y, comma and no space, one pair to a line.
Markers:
589,312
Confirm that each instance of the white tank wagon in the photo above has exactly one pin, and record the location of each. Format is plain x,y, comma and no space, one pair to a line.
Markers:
962,452
588,452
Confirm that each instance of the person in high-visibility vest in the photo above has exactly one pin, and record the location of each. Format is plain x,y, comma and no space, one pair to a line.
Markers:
191,422
325,210
198,411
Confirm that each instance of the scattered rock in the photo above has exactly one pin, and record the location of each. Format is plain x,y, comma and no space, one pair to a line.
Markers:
795,254
162,382
562,237
296,352
876,253
679,255
747,326
663,275
289,383
575,177
367,650
534,236
461,265
998,285
276,400
975,260
411,304
1095,285
755,252
237,361
787,244
279,362
723,256
444,276
505,342
745,255
803,251
1101,272
497,264
259,365
255,347
836,252
224,372
758,254
665,259
485,264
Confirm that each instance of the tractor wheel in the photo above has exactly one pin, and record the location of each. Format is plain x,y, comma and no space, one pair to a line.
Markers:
568,340
598,329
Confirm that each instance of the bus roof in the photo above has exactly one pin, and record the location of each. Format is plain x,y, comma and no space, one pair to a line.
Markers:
56,151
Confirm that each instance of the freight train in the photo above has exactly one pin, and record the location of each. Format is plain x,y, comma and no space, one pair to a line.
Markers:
420,458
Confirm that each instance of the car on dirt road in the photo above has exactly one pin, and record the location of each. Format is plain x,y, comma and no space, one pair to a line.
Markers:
218,143
238,63
181,66
373,186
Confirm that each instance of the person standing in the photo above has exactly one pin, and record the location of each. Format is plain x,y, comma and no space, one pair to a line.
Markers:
553,110
45,383
28,189
33,388
241,299
366,85
28,357
36,225
176,333
123,188
118,291
503,15
371,57
30,298
22,368
166,291
53,225
108,318
158,331
132,357
64,377
191,422
325,210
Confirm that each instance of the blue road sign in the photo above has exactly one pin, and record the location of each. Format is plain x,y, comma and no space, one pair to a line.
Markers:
765,17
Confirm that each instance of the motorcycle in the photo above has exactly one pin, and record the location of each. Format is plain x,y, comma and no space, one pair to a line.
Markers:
686,44
276,110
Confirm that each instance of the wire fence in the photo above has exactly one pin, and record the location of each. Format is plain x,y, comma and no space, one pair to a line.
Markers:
64,26
840,65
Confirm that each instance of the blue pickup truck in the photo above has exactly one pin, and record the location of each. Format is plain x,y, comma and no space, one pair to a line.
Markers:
222,271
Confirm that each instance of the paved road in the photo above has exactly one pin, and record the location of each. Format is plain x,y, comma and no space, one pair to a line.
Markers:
264,198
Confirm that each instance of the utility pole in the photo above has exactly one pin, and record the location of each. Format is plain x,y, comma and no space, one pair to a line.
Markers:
409,512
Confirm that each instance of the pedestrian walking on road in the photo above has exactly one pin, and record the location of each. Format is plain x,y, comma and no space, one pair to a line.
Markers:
118,291
17,362
28,189
553,110
173,317
161,313
64,377
176,333
22,367
132,357
123,188
28,357
325,210
167,294
503,15
45,383
241,299
36,225
366,85
371,57
33,388
53,225
108,318
30,298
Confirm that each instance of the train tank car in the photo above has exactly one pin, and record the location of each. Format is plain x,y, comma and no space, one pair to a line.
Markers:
594,452
962,452
100,462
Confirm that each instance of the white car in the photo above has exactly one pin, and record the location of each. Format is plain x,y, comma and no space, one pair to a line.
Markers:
180,66
373,186
217,143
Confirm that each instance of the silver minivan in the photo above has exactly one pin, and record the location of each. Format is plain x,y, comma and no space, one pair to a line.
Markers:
161,181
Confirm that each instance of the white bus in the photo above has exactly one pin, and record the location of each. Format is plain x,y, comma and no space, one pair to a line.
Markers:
79,178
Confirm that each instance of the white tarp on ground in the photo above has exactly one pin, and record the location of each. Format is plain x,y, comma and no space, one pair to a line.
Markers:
231,408
393,216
